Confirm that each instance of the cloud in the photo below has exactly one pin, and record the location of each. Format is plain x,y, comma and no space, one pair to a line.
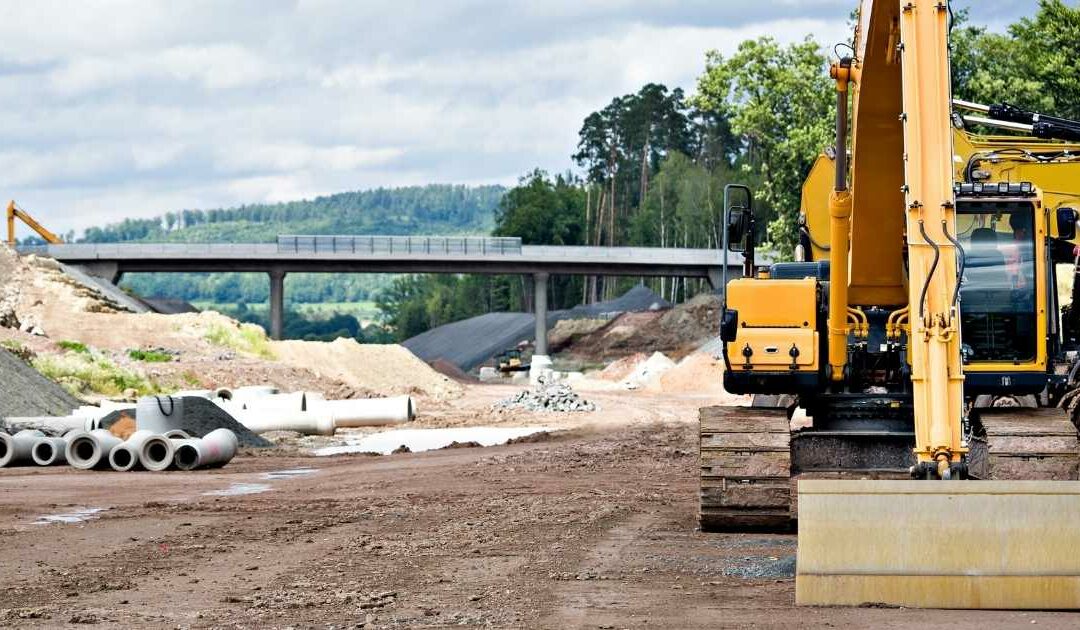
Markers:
117,108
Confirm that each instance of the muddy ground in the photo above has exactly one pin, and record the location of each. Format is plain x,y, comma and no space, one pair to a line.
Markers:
593,527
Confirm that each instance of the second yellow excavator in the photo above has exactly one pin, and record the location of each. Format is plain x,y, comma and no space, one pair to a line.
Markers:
914,430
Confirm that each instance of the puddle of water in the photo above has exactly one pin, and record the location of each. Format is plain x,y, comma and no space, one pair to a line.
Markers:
238,489
418,440
77,516
289,474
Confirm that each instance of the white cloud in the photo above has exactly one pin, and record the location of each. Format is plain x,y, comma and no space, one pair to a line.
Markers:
117,108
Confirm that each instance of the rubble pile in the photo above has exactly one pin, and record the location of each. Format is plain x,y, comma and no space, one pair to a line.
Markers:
546,397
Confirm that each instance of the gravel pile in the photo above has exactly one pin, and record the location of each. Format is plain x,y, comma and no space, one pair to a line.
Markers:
25,392
197,416
555,397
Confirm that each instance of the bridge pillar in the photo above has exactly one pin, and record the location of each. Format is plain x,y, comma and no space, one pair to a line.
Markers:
277,304
540,302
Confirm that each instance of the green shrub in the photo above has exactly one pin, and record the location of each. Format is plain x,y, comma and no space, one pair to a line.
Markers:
74,346
246,338
86,373
150,356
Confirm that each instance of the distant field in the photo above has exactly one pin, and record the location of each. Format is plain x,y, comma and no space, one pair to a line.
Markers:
365,312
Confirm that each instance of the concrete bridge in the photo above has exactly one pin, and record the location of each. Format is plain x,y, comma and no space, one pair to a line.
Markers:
390,254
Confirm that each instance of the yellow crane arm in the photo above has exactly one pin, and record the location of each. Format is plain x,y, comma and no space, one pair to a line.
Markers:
14,212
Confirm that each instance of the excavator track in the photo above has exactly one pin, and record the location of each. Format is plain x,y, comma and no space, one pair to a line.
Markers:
1014,443
745,469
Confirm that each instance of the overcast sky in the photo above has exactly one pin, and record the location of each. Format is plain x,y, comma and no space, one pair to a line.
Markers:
116,108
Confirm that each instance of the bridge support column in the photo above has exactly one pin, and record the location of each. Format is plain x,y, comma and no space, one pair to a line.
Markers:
540,302
277,304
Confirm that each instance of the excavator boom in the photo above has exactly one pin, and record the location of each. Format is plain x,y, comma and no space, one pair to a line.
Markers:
14,212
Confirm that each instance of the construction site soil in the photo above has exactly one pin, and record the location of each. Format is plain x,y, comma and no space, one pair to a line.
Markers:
594,527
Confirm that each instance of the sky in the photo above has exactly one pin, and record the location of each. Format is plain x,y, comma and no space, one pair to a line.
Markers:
132,108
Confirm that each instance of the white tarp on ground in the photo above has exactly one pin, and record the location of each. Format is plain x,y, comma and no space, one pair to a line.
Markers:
417,440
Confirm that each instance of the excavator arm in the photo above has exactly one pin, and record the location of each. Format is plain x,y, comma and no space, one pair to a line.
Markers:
14,212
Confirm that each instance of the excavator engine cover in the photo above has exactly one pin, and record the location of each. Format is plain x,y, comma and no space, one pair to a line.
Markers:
943,544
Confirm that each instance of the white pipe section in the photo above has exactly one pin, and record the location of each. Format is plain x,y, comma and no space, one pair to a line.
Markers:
266,420
215,450
366,412
155,452
7,447
51,424
87,450
49,451
123,458
177,434
17,449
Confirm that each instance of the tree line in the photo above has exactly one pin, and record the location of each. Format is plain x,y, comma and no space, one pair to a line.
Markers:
653,164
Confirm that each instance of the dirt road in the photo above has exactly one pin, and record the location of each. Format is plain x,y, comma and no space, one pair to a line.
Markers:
594,528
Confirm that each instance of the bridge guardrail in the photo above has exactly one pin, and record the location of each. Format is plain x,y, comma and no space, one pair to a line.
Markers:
493,245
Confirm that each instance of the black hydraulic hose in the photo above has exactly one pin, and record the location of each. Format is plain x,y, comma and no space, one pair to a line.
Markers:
963,261
933,269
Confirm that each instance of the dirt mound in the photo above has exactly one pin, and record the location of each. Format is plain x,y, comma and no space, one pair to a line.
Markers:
566,331
387,369
447,368
676,332
25,392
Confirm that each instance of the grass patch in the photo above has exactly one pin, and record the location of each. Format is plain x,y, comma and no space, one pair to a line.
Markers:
18,349
191,379
246,338
92,373
150,356
73,346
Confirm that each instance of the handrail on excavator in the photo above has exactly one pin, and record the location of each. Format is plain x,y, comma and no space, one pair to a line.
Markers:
15,212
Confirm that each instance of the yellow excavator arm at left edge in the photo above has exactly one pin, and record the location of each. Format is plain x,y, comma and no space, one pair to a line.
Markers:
14,212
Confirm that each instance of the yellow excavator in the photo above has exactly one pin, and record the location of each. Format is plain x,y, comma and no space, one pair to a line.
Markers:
913,366
15,212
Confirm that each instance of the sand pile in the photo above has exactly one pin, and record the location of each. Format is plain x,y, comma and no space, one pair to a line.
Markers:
697,373
387,369
566,331
620,368
648,371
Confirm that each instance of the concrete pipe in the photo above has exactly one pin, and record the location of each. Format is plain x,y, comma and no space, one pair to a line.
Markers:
176,434
17,448
367,412
214,450
155,452
296,401
123,458
7,448
88,450
305,422
49,451
53,425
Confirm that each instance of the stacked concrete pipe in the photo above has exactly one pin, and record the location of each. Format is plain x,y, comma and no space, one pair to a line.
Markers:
213,450
49,451
18,449
87,450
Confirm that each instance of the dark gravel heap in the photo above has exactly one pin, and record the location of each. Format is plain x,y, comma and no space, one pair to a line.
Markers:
198,416
25,392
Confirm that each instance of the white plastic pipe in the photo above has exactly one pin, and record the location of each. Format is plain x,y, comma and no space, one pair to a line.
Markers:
87,450
123,458
216,449
155,452
366,412
266,420
49,451
17,449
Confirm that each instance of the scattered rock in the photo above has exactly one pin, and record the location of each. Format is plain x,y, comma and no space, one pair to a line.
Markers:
546,397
